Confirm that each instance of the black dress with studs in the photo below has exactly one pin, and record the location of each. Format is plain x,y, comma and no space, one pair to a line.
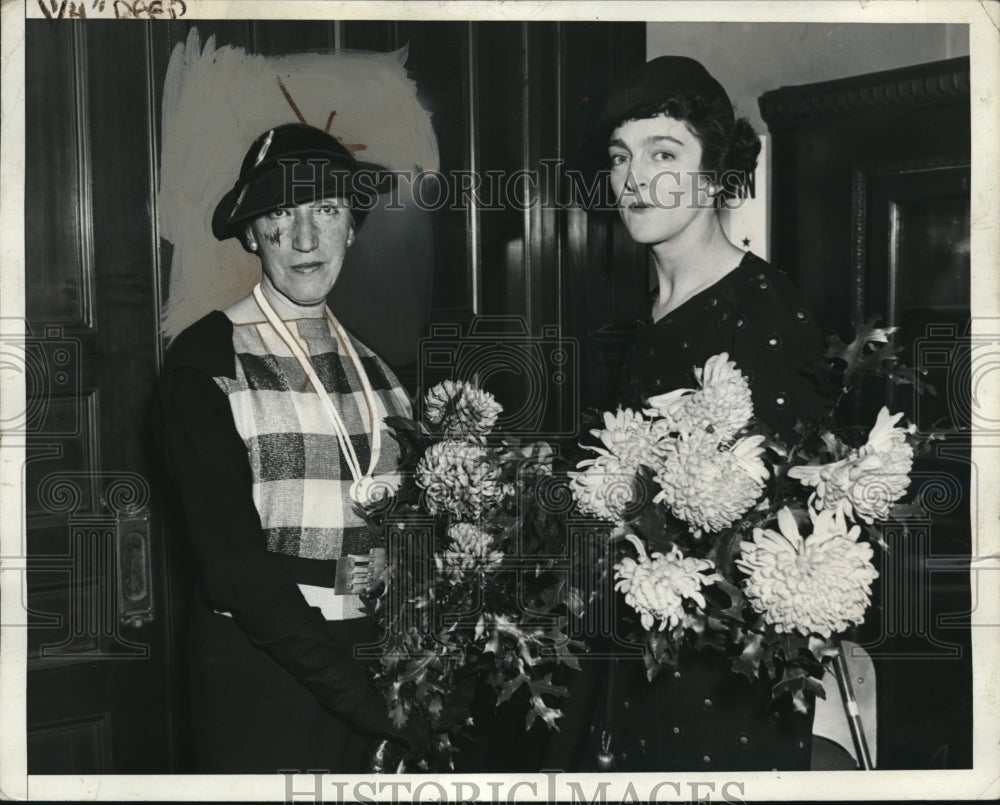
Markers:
701,715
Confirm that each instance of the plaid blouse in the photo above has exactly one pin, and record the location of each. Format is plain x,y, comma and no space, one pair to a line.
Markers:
301,480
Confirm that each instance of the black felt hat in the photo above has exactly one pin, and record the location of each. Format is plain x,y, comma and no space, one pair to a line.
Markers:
656,80
297,164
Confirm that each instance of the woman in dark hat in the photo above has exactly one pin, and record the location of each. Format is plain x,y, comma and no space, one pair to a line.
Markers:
676,153
273,428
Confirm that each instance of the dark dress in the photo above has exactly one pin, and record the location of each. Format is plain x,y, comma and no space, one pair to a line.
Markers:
702,716
274,684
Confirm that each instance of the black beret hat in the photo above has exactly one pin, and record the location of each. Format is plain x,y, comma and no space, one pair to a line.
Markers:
654,81
296,164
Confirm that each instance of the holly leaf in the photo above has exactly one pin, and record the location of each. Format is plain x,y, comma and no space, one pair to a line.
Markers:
748,663
793,679
857,354
510,687
716,638
875,535
544,686
865,333
822,648
402,424
737,601
539,709
815,687
574,602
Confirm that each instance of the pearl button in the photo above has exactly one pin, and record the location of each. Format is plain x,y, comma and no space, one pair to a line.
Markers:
685,345
801,315
773,341
801,744
706,759
744,740
677,730
708,702
712,302
780,401
762,285
740,321
677,674
627,704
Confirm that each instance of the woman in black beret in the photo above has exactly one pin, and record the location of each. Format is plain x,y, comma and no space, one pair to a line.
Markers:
273,431
675,154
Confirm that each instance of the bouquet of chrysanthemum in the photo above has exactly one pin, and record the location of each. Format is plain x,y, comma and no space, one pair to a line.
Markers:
464,602
734,540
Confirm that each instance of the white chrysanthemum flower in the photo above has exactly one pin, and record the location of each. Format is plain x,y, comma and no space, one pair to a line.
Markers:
707,487
723,405
820,584
608,483
459,478
870,480
605,489
461,409
470,550
656,586
628,436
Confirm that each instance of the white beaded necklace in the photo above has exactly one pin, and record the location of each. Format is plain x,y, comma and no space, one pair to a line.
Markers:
362,485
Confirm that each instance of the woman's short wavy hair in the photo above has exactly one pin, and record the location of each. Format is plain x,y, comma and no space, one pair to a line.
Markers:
730,147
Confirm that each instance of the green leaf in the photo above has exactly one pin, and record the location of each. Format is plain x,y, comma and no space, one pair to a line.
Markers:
737,601
871,352
574,602
539,709
865,334
793,679
544,686
510,687
815,686
748,663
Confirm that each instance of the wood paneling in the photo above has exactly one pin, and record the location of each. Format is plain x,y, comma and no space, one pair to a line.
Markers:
58,204
90,218
76,747
871,215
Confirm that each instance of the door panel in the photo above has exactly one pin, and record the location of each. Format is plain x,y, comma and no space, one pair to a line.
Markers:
92,302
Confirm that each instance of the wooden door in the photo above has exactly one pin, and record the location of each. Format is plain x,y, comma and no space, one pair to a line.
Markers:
101,665
109,571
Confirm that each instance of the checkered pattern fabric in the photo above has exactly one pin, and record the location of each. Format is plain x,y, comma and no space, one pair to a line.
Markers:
301,480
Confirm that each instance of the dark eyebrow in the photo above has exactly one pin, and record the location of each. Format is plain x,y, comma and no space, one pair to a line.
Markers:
651,140
660,137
